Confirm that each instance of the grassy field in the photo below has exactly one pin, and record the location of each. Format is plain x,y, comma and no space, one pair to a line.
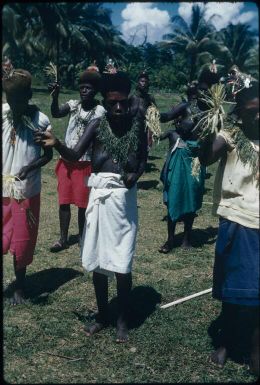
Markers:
44,340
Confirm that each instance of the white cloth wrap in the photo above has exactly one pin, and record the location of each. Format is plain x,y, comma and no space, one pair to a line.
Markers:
21,154
109,235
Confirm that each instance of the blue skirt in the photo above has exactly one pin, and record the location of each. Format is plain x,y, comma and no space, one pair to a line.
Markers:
236,268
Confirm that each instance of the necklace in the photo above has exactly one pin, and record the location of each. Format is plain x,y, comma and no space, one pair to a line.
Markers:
81,123
118,147
25,121
246,152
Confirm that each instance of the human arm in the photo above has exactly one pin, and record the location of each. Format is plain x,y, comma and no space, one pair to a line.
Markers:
130,179
42,161
49,140
56,110
213,149
174,113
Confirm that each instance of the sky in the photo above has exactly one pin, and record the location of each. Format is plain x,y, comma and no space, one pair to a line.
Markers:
133,19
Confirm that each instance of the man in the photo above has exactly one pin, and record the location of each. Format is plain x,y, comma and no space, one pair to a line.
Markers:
21,159
141,100
71,176
183,192
119,154
236,201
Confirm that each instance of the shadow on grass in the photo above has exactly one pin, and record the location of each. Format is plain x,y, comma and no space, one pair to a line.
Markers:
151,167
143,303
153,157
214,331
199,237
39,285
147,184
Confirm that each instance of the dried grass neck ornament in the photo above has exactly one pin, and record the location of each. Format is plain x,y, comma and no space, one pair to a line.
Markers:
25,121
119,147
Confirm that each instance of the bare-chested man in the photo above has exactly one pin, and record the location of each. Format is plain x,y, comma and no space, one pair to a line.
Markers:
141,100
119,154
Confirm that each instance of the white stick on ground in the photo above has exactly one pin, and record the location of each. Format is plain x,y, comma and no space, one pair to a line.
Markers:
186,298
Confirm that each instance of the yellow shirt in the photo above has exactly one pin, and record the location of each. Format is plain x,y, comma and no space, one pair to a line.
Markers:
236,190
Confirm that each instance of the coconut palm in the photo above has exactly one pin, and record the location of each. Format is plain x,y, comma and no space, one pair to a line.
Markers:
196,41
82,30
239,46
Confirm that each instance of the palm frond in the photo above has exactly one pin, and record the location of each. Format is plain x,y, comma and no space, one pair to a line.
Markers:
51,70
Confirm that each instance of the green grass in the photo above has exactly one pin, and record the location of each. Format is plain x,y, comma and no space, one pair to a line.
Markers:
166,345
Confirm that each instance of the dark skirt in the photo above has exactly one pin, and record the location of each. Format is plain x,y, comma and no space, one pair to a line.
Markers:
236,268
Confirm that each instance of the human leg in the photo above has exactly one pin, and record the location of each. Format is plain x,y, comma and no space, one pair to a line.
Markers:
64,216
245,329
23,242
124,286
254,354
226,336
18,297
81,221
188,223
100,282
168,245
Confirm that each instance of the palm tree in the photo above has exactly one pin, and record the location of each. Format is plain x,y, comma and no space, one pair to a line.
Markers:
196,41
239,46
82,30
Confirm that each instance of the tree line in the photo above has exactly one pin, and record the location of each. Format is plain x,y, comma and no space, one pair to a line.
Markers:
73,35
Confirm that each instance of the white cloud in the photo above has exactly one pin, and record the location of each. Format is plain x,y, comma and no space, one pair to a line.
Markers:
227,12
139,17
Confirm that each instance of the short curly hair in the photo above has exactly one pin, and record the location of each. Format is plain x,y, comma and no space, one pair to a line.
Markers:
118,81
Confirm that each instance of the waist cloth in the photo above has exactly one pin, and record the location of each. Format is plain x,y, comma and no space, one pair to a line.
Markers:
109,235
182,192
236,267
19,232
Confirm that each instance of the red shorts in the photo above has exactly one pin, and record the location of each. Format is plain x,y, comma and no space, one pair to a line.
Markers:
72,187
19,233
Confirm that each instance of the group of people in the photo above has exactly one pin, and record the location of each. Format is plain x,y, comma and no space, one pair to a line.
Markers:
105,153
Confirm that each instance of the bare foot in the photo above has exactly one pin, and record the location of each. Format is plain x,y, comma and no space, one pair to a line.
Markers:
186,246
166,247
94,328
219,356
121,332
17,298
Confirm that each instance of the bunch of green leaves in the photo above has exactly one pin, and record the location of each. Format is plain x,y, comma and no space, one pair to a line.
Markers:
211,121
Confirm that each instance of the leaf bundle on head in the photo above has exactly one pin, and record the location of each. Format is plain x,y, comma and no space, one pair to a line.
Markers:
211,121
152,121
52,71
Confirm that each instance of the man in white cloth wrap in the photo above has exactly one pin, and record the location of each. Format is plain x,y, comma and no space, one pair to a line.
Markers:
119,155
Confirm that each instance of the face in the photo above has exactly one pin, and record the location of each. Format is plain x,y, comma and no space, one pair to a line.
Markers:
117,105
143,84
249,115
87,92
18,103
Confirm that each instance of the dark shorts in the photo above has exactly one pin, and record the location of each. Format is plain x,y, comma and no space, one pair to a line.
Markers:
236,268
